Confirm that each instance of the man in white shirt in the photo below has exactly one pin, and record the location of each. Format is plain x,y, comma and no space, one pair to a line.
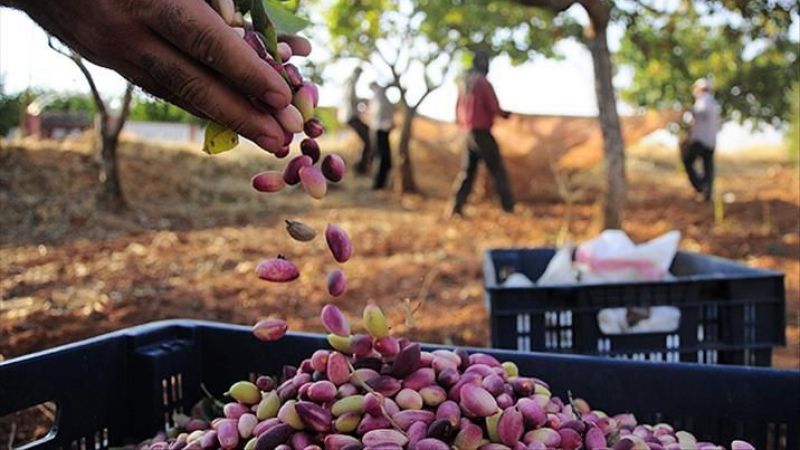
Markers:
381,113
348,113
702,138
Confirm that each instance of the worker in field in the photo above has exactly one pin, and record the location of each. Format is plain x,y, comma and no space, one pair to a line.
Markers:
381,113
702,139
348,113
476,109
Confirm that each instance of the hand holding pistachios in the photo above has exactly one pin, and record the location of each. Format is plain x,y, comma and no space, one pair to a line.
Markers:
183,51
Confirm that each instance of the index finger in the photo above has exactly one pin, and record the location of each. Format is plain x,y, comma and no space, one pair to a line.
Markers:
300,46
197,30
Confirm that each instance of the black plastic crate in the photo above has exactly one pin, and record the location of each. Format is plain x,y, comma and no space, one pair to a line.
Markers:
730,313
123,387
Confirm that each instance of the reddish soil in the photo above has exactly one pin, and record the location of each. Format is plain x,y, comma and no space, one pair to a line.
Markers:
195,230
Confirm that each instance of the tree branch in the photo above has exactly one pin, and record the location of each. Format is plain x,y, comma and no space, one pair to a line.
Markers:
599,13
125,111
78,60
395,75
430,86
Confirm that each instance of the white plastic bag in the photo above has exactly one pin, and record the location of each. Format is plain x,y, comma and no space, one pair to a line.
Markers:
559,270
661,319
518,279
613,257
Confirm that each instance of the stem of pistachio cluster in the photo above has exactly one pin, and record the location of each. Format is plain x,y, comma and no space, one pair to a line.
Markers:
372,391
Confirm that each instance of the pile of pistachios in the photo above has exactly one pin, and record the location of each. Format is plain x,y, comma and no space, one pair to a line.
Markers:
375,391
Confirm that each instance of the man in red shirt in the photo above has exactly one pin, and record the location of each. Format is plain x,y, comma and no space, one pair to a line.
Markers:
476,108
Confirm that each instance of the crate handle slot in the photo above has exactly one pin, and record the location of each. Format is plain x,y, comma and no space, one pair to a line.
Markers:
656,319
43,415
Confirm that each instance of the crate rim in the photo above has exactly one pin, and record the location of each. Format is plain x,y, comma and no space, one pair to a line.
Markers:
490,283
566,359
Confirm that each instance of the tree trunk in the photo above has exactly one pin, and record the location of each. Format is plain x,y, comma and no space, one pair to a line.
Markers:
406,179
609,123
110,196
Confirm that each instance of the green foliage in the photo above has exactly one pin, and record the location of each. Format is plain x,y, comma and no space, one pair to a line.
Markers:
327,115
499,26
437,34
284,19
10,106
154,110
356,26
743,47
71,102
496,26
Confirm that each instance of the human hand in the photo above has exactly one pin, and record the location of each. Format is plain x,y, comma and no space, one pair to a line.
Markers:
179,50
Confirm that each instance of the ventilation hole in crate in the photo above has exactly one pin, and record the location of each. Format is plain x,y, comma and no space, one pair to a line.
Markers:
565,318
771,437
164,392
105,437
707,357
565,340
749,323
73,445
708,329
96,440
673,341
83,443
523,324
558,329
180,386
523,332
173,388
783,437
603,345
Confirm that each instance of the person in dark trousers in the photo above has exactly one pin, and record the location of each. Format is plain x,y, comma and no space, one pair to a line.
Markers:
702,139
381,123
476,109
348,113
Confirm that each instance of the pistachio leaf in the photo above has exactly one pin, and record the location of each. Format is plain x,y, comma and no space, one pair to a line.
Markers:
219,139
285,21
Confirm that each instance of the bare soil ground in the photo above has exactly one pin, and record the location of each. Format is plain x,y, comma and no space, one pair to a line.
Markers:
195,230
